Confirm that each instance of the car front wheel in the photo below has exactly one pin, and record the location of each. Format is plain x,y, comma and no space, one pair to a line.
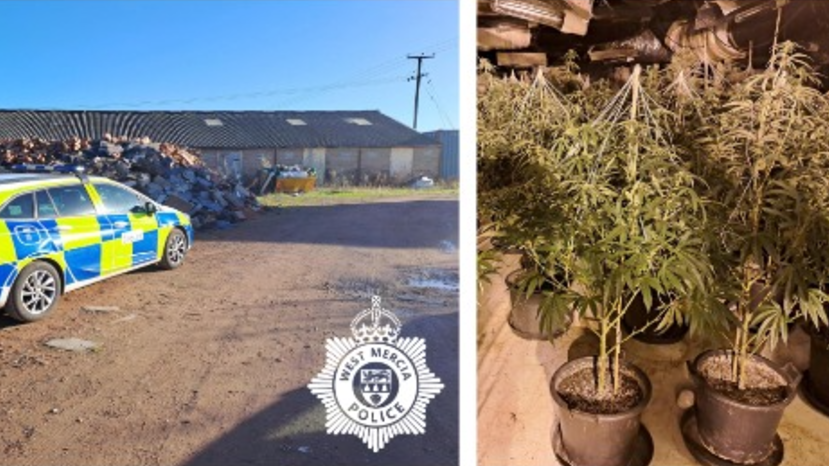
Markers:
35,293
174,250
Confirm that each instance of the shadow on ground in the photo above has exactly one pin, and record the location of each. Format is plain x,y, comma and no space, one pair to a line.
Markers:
8,322
427,222
291,431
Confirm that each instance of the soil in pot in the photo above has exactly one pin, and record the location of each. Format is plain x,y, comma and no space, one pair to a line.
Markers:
740,425
599,429
579,390
637,317
764,386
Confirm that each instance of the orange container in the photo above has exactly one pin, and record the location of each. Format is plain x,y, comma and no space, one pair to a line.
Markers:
293,185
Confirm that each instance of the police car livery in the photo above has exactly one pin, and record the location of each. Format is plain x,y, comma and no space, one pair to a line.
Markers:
60,232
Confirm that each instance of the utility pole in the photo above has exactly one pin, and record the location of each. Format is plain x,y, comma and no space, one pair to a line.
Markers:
417,77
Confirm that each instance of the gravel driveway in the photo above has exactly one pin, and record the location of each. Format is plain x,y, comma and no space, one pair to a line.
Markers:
208,364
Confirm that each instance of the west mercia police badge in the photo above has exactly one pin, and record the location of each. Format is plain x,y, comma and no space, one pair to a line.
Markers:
375,385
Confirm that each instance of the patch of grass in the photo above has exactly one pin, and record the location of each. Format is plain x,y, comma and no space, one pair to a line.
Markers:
352,195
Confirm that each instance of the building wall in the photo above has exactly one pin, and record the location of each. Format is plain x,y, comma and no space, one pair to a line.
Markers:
254,160
210,158
225,161
342,165
426,162
402,159
315,158
230,162
375,160
374,166
290,156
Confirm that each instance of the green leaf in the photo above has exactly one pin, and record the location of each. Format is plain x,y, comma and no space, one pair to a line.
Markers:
646,296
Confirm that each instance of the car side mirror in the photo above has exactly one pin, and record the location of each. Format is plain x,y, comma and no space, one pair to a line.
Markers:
150,208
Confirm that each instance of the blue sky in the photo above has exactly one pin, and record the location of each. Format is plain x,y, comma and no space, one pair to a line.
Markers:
231,55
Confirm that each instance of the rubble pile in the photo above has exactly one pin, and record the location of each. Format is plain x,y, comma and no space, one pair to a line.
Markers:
168,174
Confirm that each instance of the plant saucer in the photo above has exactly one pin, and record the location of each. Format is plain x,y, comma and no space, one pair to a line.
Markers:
642,450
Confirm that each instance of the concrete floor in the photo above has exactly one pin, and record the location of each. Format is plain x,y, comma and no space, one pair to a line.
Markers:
516,414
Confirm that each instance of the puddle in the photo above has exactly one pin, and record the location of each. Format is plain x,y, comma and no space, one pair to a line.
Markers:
433,287
434,279
447,247
433,283
361,288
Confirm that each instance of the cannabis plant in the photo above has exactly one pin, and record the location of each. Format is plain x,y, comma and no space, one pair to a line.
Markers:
488,257
695,92
518,121
633,219
770,146
520,198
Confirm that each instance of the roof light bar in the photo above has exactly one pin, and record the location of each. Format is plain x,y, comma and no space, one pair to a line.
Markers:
77,170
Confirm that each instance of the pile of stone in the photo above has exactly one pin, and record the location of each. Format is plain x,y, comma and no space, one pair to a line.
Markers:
168,174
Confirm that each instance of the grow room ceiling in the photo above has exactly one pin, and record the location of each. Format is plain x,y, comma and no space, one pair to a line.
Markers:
607,34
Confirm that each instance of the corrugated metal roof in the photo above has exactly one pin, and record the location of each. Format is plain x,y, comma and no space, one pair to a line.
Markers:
218,129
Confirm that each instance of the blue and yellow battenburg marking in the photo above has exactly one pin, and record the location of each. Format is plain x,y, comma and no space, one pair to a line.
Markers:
85,249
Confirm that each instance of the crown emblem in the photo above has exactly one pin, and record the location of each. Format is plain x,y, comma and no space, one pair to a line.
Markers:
375,325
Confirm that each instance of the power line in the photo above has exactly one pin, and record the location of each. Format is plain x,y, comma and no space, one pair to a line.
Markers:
396,79
334,86
433,96
355,80
382,68
401,59
304,90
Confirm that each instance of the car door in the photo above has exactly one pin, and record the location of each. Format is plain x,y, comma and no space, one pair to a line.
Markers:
68,210
134,232
24,237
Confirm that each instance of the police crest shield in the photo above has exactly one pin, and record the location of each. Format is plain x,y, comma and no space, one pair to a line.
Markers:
375,385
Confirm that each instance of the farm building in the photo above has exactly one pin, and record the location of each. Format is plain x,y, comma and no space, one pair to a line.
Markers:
346,146
450,152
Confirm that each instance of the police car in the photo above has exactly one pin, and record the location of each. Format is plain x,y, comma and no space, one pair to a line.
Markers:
60,232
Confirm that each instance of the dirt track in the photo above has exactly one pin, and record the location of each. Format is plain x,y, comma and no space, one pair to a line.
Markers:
208,364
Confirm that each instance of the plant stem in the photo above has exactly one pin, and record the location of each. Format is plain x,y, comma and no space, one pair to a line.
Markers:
602,369
617,343
734,361
741,378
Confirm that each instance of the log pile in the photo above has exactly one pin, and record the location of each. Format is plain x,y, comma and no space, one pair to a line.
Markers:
169,174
